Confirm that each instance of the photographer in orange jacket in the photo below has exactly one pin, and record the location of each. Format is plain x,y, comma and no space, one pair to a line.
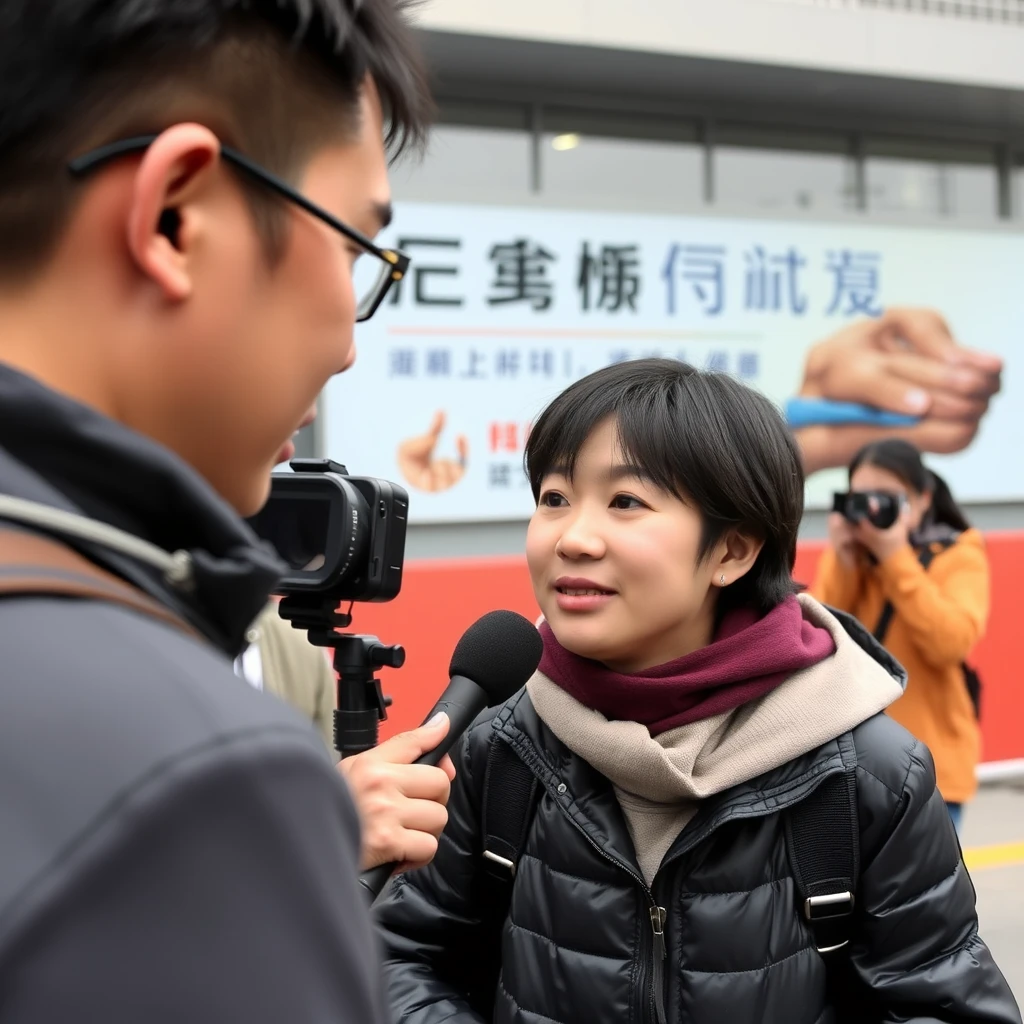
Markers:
905,561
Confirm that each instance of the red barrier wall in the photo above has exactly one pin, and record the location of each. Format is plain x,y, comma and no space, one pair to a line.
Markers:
439,599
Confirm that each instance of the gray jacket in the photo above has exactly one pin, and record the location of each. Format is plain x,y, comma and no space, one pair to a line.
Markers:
174,846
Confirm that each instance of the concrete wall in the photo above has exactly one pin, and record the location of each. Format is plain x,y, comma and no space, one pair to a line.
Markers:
839,37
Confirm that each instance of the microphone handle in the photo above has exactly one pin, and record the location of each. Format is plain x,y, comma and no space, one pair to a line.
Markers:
461,701
374,880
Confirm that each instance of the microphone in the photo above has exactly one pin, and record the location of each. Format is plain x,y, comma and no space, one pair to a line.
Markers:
495,657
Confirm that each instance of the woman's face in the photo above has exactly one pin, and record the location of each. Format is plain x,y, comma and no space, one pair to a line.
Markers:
874,478
613,560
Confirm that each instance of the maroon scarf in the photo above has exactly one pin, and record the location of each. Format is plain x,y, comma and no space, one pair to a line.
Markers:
748,658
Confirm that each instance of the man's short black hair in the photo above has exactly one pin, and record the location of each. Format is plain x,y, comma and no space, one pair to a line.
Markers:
704,437
274,78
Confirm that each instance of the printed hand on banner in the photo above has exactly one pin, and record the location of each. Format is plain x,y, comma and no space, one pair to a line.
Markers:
906,361
420,468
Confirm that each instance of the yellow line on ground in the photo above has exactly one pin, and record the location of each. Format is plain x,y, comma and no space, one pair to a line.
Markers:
1002,856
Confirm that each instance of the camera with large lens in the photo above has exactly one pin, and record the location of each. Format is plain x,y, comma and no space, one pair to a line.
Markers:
880,508
343,537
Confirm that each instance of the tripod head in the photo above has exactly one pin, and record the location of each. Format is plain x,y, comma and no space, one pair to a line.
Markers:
362,705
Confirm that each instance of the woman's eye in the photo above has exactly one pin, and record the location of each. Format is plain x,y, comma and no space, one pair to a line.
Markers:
552,499
627,501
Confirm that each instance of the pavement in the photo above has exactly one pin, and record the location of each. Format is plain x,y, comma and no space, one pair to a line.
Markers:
993,843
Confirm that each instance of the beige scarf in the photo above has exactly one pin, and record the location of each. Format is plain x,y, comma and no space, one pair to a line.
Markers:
661,781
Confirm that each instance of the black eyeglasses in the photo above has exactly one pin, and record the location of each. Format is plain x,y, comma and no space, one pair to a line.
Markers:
371,284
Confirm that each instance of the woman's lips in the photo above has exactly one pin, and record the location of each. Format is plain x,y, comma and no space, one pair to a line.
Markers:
574,594
590,602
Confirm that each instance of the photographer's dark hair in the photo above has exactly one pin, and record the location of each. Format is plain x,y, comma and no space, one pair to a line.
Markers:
903,460
277,79
712,442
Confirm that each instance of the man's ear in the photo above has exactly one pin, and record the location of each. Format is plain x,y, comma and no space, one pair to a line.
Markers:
164,219
734,557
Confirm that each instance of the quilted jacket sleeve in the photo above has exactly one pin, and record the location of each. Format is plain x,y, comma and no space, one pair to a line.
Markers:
440,957
918,950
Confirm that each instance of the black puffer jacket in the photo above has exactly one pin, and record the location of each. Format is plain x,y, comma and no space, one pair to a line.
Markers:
578,945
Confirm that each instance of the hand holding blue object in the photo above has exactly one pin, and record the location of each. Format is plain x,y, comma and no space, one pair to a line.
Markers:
812,412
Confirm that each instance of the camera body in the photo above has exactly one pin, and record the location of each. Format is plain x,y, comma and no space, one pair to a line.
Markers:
342,536
880,508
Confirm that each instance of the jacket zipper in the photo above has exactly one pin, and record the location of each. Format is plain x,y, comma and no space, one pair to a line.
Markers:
658,916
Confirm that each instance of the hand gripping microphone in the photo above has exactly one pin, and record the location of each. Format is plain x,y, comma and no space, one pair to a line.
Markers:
495,657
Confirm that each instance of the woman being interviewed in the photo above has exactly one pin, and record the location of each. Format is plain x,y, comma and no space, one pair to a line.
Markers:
689,715
930,615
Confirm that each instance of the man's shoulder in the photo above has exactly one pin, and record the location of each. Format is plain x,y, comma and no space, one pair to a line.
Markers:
106,717
91,667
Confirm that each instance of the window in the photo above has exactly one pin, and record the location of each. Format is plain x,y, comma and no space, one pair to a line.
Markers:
614,162
469,163
1017,188
763,170
915,180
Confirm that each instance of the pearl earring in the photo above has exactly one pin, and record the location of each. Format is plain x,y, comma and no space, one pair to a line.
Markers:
721,579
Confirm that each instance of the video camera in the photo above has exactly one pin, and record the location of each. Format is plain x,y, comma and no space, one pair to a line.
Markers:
343,538
880,508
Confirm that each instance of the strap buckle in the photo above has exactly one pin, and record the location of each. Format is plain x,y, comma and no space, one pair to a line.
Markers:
501,862
826,909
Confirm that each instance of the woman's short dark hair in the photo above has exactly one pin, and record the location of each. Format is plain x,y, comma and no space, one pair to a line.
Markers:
704,437
903,460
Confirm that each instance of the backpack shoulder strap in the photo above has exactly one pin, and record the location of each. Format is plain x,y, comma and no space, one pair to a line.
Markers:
823,842
31,563
510,793
925,557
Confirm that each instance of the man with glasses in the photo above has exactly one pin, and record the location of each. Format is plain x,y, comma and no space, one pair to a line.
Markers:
189,193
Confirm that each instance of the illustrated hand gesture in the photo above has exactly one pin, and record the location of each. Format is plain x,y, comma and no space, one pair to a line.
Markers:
420,468
906,361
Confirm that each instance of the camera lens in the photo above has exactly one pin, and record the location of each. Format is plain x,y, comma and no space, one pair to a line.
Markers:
317,524
883,509
355,531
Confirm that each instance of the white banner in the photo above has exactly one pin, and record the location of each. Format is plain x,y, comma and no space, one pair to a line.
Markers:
503,308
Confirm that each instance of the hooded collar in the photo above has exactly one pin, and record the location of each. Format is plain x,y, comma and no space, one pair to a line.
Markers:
58,452
592,800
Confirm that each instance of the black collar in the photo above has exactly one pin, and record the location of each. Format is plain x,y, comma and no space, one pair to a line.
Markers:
56,451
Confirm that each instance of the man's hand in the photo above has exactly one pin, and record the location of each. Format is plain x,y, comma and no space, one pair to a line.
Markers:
402,805
420,468
907,362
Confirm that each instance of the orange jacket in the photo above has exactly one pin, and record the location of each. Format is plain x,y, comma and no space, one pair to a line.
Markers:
940,615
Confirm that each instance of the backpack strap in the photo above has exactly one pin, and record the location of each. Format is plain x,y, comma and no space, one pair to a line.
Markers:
823,842
34,564
510,794
925,557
